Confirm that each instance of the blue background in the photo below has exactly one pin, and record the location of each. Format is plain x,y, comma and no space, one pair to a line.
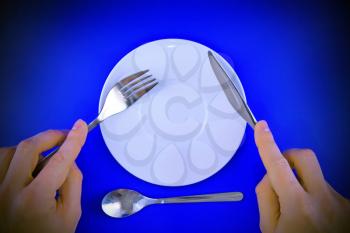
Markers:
292,58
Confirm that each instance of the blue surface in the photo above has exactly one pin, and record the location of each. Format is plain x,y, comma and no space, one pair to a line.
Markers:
290,57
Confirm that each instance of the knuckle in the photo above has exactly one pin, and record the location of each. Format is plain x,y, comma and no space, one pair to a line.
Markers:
31,196
51,132
58,157
25,200
262,227
281,162
308,153
290,152
79,144
75,140
74,134
26,144
259,188
306,208
77,173
34,190
298,197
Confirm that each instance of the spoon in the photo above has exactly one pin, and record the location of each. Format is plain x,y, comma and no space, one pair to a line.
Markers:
125,202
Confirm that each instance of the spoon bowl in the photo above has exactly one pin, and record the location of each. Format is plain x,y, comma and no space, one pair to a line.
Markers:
123,202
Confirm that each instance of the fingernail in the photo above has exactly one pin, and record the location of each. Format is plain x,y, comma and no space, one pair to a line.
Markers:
265,126
76,125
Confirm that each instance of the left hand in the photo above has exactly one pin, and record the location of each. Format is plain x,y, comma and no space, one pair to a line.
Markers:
30,204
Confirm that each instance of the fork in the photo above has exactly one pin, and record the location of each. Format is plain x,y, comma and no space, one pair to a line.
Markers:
122,95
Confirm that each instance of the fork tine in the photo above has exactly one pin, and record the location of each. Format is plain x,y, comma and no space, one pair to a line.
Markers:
131,84
134,88
134,96
132,77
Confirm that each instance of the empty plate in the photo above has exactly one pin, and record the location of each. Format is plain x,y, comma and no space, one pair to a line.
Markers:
184,130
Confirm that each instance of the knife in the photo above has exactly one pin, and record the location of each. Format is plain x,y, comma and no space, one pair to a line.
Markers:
231,91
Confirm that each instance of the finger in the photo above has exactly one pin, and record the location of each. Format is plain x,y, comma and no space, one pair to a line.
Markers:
27,154
6,155
308,169
55,172
269,209
70,193
280,174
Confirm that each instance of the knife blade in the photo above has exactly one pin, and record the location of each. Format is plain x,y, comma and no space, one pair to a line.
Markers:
231,91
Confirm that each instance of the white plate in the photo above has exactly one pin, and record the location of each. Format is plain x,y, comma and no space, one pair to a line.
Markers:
184,130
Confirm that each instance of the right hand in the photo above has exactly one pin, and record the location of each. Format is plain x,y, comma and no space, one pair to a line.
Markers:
306,203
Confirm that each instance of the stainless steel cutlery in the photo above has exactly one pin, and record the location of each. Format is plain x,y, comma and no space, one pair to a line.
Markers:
231,91
122,95
125,202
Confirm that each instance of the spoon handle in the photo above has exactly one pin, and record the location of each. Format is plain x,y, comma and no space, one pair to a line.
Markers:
215,197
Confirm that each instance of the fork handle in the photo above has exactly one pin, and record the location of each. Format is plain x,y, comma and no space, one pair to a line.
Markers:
42,163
